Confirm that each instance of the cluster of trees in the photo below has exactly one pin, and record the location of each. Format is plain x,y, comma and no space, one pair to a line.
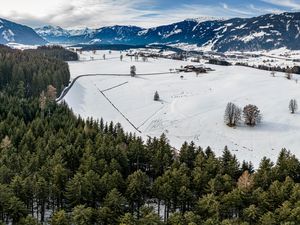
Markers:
250,113
287,70
27,74
219,62
56,52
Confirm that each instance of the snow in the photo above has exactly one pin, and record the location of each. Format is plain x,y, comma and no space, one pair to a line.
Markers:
219,28
176,31
298,28
266,27
192,108
85,31
8,35
281,57
242,26
21,46
143,32
58,31
52,30
206,18
275,32
253,36
95,41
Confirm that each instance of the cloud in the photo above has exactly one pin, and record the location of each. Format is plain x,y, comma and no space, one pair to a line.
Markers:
98,13
73,13
292,4
265,10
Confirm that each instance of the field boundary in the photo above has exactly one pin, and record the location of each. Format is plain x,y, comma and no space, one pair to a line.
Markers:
116,108
68,88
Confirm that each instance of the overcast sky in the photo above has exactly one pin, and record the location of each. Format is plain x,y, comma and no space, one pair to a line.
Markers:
145,13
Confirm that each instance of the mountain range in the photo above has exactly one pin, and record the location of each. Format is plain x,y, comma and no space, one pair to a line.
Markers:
265,32
11,32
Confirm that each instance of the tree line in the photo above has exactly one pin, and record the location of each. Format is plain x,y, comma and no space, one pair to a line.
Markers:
28,73
56,52
294,69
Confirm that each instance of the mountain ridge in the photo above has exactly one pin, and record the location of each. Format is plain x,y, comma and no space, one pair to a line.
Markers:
11,32
265,32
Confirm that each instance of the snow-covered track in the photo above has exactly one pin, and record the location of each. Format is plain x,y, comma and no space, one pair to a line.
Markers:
67,89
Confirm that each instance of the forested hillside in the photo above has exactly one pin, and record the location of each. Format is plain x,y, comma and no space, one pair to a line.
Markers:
30,73
56,52
58,169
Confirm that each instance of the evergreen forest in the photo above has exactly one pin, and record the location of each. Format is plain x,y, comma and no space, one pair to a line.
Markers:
59,169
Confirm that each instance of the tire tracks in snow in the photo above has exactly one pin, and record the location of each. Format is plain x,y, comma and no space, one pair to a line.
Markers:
150,117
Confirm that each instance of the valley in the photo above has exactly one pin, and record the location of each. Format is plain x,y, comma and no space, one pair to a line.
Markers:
191,107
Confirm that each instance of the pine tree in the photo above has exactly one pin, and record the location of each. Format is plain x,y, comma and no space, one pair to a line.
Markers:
82,215
156,96
251,214
137,190
60,218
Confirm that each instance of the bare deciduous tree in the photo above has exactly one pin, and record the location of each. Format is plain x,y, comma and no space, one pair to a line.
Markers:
232,114
51,93
288,75
245,181
6,143
132,71
136,57
273,73
156,96
293,106
252,115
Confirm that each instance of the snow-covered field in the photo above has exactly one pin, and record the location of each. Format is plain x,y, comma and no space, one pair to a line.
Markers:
270,59
192,108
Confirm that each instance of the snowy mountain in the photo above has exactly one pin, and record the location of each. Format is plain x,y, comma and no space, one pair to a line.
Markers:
271,31
15,33
56,34
106,35
77,32
53,33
